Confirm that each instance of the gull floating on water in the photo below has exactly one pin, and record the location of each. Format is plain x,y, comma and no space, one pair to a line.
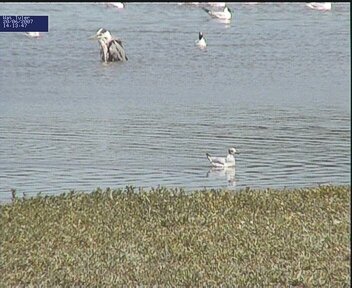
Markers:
223,162
319,5
33,34
201,41
111,49
226,14
119,5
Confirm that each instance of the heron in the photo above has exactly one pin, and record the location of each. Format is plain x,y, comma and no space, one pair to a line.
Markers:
111,49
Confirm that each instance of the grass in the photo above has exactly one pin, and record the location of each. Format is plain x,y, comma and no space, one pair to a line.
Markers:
166,237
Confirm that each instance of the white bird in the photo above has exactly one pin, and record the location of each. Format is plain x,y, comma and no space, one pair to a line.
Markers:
323,6
111,49
201,41
119,5
33,34
223,162
226,14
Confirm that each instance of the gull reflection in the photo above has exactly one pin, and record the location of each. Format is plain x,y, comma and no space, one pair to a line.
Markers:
227,22
228,173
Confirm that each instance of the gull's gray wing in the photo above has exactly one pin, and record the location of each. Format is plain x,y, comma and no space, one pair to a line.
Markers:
212,13
218,160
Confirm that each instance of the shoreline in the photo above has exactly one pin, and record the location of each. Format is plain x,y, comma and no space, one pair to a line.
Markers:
23,195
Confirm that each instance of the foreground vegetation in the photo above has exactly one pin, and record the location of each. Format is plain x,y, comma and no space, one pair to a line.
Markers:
271,238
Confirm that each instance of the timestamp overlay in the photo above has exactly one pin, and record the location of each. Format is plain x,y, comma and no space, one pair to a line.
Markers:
10,23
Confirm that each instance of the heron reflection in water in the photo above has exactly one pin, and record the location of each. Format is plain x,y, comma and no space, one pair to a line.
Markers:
111,49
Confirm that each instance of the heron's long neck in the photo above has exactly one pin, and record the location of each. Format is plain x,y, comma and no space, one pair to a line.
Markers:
108,37
104,50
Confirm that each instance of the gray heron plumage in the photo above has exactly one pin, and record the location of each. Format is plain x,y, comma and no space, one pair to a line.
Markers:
111,49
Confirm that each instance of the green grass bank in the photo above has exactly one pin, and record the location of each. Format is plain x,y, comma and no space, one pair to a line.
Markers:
166,237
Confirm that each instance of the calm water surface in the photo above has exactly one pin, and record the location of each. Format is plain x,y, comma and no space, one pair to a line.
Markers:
274,83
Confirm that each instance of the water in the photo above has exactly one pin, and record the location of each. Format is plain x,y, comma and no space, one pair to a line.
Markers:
274,83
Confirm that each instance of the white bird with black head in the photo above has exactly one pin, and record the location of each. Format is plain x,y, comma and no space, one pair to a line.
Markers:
223,162
111,49
201,41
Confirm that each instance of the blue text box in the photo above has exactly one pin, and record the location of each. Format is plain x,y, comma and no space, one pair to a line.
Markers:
24,24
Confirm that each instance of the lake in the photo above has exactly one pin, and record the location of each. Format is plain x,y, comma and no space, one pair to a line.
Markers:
274,83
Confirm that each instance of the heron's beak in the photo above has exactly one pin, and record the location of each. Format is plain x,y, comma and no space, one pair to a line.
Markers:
93,37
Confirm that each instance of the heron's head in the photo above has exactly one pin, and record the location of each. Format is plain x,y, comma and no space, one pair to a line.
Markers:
102,34
232,151
200,35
